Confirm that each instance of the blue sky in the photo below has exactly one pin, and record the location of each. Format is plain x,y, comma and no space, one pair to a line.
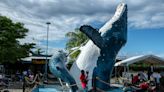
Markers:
140,41
145,41
145,21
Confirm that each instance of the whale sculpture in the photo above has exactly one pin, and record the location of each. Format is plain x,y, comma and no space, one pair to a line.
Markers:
99,54
57,67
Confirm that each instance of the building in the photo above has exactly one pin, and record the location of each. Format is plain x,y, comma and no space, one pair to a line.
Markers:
35,63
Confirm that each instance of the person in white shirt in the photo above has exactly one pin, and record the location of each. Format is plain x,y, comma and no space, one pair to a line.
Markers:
152,68
156,76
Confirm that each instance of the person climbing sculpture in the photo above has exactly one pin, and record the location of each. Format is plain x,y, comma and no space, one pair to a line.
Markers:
84,80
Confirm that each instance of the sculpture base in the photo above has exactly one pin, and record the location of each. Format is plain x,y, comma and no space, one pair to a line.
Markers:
58,88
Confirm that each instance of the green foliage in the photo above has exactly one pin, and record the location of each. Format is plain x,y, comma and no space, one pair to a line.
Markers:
76,38
10,48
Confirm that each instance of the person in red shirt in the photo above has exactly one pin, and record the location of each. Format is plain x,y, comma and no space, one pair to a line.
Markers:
135,79
83,80
144,85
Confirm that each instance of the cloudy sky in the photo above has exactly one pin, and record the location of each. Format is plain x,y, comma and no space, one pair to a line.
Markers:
145,21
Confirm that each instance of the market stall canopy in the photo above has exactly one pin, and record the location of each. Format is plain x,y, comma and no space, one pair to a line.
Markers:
148,59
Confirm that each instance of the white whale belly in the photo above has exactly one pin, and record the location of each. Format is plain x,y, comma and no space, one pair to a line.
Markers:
87,60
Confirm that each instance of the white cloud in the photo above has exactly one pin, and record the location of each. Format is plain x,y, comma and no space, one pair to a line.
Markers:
66,15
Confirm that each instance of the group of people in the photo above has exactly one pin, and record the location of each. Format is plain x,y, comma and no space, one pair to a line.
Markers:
150,81
139,82
19,76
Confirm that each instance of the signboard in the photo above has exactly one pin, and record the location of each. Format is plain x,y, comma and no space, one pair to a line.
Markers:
38,61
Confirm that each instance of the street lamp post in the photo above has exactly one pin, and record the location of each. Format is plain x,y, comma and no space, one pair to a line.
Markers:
46,63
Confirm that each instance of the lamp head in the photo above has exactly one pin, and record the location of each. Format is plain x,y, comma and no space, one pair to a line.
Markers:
48,23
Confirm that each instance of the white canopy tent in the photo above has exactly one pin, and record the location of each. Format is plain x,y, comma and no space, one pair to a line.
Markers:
151,59
147,59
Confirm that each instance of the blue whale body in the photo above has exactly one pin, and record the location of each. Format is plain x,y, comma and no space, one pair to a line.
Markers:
109,43
99,54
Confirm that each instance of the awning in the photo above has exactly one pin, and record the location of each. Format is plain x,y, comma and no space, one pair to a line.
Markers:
149,59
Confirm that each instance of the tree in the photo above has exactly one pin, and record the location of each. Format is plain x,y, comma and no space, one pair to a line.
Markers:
10,48
76,38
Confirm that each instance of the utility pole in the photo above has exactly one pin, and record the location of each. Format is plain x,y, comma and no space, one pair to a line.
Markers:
46,63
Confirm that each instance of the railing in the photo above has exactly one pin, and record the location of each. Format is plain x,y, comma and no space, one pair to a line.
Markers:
66,87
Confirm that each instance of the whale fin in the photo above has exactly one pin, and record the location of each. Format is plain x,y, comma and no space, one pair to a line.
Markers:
94,35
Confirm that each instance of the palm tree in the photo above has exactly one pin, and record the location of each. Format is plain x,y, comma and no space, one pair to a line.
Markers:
38,51
76,39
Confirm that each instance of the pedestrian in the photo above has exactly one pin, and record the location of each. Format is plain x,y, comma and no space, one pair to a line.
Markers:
162,82
150,71
136,79
83,80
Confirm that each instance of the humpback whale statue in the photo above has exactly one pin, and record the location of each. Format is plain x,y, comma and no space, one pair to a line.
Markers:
99,54
58,68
